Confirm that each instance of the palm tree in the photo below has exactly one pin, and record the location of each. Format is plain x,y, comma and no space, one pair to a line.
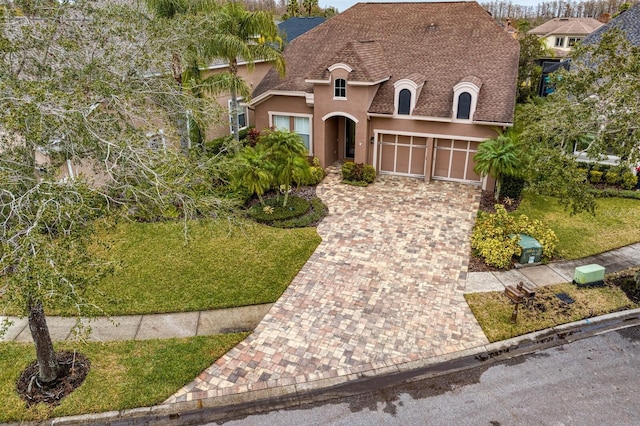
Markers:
287,154
237,34
498,157
252,173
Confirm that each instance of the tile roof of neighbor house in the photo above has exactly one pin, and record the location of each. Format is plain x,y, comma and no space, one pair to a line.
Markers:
444,42
628,21
296,26
567,26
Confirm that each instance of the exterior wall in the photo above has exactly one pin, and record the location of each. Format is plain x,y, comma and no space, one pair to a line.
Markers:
252,78
354,106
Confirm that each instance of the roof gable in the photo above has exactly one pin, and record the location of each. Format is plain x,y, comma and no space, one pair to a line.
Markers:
410,38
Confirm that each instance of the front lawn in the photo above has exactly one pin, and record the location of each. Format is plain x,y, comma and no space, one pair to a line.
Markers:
223,264
614,225
123,374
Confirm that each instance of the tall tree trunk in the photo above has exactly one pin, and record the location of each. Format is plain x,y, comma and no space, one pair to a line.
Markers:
47,363
235,122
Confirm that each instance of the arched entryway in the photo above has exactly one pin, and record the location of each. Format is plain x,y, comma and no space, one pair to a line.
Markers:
340,138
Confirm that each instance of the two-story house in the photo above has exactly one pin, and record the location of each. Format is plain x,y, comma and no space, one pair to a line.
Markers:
411,88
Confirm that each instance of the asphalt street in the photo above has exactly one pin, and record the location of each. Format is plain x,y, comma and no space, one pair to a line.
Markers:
594,381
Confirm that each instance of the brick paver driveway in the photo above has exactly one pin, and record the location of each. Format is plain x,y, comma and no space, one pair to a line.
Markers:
384,287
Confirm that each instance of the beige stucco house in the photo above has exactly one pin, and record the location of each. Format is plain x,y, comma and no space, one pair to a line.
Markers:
411,88
561,34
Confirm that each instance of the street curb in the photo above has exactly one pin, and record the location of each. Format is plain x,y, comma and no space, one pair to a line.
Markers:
228,407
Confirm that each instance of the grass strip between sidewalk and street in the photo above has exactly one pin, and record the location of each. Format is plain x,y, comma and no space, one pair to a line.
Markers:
493,309
123,375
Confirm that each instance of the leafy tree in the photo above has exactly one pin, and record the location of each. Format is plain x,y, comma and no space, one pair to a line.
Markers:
532,48
293,8
235,34
594,111
499,157
310,6
81,84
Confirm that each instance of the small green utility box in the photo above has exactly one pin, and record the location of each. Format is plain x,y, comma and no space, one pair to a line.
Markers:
531,250
589,275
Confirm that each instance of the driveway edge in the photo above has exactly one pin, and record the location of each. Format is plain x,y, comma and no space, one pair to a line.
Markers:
228,407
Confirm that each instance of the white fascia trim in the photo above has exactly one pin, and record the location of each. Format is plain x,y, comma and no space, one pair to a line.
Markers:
340,114
309,98
220,66
428,135
318,81
340,65
367,83
270,93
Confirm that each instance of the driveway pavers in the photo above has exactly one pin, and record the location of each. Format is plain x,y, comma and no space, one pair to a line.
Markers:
384,287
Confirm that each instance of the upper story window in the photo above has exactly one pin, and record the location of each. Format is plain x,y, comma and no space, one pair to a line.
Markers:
465,98
464,106
559,42
407,91
404,102
340,88
573,40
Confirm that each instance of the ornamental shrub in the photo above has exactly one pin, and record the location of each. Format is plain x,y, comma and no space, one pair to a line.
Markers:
595,176
629,180
347,170
612,178
358,174
493,237
512,186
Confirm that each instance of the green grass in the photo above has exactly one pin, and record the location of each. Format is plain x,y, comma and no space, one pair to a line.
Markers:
614,225
123,374
493,309
223,264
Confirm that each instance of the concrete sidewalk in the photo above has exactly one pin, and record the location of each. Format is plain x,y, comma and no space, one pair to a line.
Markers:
143,327
553,273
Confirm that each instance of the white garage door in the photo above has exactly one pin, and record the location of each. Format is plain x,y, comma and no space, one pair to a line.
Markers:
402,154
453,160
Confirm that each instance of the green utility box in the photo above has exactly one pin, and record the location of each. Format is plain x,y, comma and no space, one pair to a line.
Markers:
531,250
589,275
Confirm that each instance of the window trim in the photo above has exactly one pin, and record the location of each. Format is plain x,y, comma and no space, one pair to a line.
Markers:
343,89
413,89
561,40
292,115
245,113
459,89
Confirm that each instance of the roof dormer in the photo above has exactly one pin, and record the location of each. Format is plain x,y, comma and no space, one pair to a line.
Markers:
406,94
465,98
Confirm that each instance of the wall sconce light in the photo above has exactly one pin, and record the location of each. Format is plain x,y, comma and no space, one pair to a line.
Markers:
371,141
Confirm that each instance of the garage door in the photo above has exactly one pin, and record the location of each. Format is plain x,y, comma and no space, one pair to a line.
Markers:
453,160
401,154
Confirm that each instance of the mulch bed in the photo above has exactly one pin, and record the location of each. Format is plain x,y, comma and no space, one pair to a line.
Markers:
74,368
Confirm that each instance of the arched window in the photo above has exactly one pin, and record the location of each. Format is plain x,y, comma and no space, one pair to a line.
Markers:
464,106
340,88
404,102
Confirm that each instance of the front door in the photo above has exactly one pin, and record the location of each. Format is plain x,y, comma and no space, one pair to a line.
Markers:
349,138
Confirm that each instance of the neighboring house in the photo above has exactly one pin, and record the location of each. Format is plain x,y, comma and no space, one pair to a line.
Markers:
407,87
245,114
561,34
296,26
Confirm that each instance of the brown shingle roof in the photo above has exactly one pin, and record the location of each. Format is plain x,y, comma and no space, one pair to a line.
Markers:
567,26
445,42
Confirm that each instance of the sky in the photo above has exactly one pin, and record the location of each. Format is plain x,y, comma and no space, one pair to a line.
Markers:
343,5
